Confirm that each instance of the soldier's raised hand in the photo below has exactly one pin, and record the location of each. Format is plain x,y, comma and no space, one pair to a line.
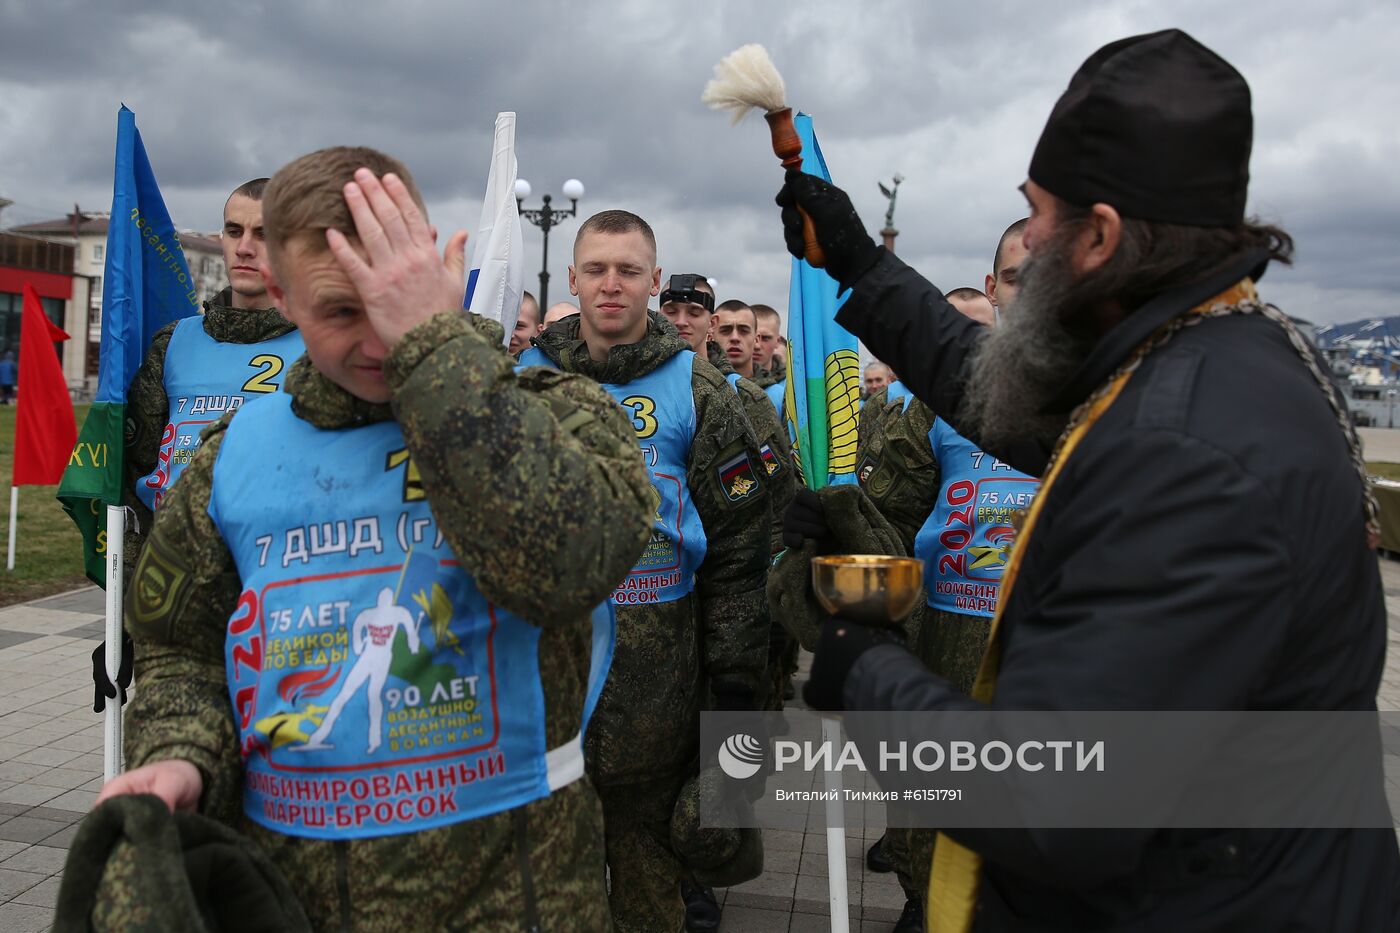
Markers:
401,279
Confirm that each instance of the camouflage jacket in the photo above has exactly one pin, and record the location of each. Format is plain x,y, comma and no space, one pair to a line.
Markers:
646,723
763,418
770,377
148,408
895,463
459,403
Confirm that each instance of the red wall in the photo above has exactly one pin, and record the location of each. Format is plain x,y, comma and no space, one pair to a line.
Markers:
47,284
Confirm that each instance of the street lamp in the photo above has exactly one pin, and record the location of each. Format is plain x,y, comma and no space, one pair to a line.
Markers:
544,218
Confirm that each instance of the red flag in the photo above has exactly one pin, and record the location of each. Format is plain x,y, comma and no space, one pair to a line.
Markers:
45,430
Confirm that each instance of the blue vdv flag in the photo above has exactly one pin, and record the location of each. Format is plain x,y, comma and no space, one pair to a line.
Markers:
145,285
822,399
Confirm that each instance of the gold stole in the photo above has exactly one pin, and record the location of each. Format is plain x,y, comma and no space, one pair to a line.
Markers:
953,882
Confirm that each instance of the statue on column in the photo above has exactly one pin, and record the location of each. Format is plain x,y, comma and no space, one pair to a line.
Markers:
892,192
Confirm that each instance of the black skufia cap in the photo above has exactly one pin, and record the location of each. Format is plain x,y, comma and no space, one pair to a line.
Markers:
1158,126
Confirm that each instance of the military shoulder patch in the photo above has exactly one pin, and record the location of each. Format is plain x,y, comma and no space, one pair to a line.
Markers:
772,463
161,588
736,477
866,466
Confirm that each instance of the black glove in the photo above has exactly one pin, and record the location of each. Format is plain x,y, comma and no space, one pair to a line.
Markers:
850,251
102,685
806,518
842,643
732,697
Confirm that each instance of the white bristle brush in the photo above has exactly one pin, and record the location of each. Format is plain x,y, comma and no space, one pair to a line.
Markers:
744,79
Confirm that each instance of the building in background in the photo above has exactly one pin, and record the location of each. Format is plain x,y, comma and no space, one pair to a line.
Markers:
84,236
48,266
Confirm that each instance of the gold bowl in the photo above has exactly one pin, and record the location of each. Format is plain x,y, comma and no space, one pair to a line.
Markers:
871,589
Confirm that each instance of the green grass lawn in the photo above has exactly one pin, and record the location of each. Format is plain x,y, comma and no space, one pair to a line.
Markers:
48,549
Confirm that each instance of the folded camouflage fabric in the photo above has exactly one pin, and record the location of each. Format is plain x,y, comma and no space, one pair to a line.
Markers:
857,527
715,857
134,866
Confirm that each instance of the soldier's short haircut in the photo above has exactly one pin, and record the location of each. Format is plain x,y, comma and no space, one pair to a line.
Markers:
760,312
1011,231
616,222
251,189
306,197
734,304
967,293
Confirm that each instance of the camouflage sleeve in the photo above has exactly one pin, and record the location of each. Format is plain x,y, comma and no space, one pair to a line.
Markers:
776,455
733,505
536,480
897,470
184,588
871,410
147,413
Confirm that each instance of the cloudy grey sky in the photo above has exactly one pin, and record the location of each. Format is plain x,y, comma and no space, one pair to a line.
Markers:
952,96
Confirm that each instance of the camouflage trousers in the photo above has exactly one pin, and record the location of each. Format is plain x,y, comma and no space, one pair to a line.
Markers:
782,664
538,867
644,888
951,644
910,851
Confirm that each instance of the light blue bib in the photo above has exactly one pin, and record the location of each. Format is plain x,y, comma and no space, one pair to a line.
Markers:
375,690
965,541
662,407
775,394
204,378
897,390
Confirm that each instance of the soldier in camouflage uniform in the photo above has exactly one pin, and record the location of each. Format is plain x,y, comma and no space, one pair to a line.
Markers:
386,367
770,365
777,457
689,309
706,624
691,320
162,427
240,314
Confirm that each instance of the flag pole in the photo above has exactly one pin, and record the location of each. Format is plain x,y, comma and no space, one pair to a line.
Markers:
112,710
14,514
837,894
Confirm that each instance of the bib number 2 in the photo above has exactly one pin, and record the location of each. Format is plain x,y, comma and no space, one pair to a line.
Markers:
262,381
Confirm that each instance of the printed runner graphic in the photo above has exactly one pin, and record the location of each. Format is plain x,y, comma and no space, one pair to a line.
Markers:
373,639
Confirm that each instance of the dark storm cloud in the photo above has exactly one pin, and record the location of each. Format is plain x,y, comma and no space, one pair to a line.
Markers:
609,92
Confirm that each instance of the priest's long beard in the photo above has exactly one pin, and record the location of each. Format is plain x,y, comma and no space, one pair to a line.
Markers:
1030,356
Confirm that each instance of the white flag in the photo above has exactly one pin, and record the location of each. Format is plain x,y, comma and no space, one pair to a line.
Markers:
496,281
